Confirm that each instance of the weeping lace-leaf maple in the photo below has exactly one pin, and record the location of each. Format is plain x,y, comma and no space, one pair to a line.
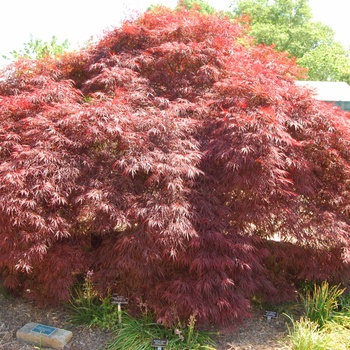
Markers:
177,161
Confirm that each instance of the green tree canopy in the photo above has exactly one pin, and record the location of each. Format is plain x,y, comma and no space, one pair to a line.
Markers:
289,25
201,5
37,48
327,62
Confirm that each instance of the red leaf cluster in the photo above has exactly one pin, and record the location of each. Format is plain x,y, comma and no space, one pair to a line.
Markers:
167,159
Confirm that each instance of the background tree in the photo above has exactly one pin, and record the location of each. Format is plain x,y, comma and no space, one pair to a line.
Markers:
166,159
37,48
199,5
289,25
327,62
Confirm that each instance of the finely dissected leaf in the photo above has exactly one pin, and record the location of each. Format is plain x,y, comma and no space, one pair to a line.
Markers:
166,158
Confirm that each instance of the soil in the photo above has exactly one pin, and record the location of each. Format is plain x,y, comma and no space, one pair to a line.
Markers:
257,333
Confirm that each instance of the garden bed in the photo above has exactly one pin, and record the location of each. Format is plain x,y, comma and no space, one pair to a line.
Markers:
256,333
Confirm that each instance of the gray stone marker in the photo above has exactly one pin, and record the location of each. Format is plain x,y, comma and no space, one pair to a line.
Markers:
42,335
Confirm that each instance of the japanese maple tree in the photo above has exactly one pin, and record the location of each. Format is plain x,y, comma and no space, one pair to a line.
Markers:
179,163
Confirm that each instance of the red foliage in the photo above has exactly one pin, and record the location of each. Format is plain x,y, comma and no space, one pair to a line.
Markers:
166,158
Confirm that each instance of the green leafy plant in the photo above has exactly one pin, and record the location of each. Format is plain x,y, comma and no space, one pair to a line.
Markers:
90,310
138,333
322,302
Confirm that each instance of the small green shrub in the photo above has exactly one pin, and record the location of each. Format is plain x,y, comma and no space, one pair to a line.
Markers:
137,334
320,304
3,291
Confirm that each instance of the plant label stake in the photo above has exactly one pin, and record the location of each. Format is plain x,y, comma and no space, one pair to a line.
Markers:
119,300
159,343
270,315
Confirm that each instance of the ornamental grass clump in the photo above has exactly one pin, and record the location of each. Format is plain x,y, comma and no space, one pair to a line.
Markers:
326,324
138,333
89,309
306,335
321,304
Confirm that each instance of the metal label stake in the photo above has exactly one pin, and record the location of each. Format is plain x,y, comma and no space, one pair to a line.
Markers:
159,343
119,300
